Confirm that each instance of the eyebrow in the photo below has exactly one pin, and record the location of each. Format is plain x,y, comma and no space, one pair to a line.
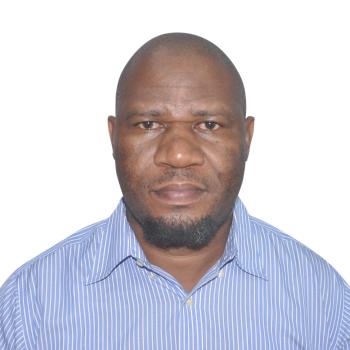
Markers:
213,112
135,113
197,113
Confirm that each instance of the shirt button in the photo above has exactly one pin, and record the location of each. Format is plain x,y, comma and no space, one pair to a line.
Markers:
152,276
189,301
221,273
139,263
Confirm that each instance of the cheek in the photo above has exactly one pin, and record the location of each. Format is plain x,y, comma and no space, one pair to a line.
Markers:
132,162
227,160
229,170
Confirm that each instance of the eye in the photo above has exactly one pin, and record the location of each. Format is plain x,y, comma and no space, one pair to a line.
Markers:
148,125
208,125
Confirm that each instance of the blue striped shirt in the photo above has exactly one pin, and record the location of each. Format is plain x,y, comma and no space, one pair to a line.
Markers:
96,290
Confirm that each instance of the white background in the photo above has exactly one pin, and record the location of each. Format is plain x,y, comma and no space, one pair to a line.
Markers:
60,61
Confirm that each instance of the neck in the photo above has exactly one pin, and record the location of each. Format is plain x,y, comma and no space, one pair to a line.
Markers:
186,265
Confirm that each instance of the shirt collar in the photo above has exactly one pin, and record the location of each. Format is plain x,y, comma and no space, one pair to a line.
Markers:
112,244
243,240
115,241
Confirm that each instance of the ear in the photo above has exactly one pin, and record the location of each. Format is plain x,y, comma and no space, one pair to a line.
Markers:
248,134
112,128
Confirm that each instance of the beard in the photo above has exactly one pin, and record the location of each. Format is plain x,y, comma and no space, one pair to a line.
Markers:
176,230
179,232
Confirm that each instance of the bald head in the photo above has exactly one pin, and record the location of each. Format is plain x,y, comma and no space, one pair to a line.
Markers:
182,46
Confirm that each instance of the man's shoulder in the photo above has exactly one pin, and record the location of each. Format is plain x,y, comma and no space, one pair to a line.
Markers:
293,257
308,277
271,232
72,248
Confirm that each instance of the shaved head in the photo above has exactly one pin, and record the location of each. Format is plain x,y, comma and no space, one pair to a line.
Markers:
180,45
180,141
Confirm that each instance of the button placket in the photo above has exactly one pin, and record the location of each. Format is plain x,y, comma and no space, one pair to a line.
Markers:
152,275
189,301
140,263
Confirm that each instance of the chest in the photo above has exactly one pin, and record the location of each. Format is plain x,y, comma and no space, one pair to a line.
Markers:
136,308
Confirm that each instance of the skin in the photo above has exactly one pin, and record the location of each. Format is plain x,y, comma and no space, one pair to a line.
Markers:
180,144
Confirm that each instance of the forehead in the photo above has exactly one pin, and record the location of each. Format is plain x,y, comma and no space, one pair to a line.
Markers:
179,79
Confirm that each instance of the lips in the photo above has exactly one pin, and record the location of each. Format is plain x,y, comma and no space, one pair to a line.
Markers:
179,193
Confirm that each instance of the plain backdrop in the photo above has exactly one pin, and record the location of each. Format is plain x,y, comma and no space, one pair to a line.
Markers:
59,66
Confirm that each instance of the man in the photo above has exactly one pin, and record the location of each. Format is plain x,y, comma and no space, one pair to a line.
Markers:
180,264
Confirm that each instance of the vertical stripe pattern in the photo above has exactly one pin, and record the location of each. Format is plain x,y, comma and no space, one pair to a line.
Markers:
96,290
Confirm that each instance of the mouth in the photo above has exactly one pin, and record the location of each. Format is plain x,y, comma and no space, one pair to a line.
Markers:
179,194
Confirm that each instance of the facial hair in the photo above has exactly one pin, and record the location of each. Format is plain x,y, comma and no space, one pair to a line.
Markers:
179,232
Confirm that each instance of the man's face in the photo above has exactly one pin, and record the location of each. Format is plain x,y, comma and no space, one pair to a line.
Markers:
180,142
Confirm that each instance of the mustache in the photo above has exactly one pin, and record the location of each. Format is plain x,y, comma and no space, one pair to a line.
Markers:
178,175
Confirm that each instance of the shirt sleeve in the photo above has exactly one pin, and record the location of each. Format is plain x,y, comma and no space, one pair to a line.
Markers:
11,335
344,330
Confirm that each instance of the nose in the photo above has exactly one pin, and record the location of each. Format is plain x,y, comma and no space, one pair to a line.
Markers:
178,147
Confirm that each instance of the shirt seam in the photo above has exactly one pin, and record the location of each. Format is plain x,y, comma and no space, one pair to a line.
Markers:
273,230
